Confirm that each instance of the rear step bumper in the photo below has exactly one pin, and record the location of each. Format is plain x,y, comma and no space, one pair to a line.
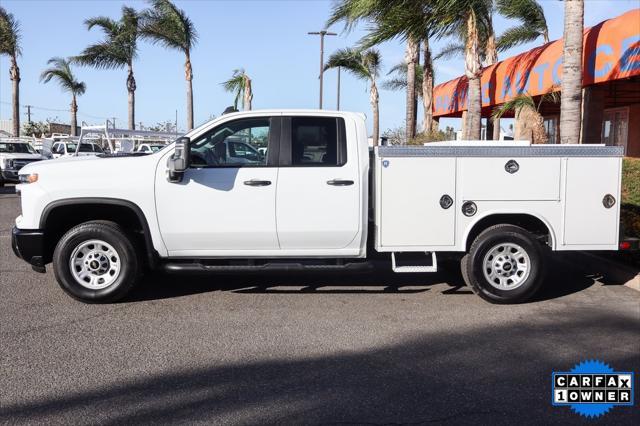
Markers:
198,267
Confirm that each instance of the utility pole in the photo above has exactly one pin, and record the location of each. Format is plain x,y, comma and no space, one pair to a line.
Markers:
338,95
113,123
28,107
321,34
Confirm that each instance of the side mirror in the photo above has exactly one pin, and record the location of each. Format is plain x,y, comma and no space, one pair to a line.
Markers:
179,161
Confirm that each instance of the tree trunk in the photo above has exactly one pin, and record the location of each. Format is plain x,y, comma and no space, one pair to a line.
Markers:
571,86
374,98
493,125
473,70
427,88
248,93
131,88
411,57
74,116
530,126
188,74
14,75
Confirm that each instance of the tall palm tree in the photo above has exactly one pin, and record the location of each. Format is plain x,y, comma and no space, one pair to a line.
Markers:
61,71
240,84
117,51
571,101
164,23
406,19
364,65
10,46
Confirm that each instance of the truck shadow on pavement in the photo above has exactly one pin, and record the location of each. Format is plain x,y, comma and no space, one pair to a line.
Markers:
478,375
561,281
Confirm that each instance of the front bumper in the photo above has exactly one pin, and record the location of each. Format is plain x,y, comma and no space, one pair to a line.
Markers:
10,175
28,244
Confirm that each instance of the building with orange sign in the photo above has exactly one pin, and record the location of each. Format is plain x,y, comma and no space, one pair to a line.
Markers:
611,81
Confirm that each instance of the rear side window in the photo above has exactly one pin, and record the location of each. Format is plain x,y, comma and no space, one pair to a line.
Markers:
317,142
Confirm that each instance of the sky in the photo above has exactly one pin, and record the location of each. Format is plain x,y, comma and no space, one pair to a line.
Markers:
268,38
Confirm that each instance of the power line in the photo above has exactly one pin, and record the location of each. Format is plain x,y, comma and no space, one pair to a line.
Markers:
59,110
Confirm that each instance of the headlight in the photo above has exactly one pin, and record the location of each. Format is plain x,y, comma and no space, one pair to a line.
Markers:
30,178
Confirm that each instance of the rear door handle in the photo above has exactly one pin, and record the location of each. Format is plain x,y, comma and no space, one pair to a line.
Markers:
339,182
256,182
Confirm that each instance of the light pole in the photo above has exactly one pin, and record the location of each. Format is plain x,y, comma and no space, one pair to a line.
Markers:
338,95
321,34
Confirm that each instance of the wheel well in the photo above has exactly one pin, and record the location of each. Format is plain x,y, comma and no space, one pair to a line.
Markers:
59,218
529,222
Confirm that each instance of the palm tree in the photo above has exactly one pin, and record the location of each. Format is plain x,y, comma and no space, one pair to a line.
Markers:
240,84
533,23
407,19
164,23
117,51
529,123
364,65
398,81
10,46
61,71
571,102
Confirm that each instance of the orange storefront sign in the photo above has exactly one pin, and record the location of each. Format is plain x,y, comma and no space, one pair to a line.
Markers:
611,51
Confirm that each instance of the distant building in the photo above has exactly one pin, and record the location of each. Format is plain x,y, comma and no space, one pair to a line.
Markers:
611,81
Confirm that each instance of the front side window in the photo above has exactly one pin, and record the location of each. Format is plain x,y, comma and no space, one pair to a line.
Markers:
314,142
239,143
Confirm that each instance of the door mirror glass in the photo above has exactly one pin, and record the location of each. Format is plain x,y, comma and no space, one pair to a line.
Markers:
179,161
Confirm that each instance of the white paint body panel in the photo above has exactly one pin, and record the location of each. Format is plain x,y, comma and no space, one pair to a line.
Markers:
565,193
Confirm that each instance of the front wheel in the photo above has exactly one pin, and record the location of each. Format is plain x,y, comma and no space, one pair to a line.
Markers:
504,265
96,262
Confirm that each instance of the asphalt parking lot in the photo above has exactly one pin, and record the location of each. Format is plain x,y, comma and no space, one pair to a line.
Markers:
357,349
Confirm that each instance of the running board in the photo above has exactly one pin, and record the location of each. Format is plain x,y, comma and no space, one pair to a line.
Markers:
415,268
198,267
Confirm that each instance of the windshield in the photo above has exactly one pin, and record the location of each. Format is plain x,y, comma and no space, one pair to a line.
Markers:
85,147
156,148
19,148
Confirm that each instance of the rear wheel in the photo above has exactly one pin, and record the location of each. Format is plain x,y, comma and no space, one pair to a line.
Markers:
96,262
504,265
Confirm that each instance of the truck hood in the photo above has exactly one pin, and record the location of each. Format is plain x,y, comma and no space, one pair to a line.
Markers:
90,166
20,156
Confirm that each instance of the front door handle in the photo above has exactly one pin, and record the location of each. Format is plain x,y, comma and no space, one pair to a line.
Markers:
339,182
256,182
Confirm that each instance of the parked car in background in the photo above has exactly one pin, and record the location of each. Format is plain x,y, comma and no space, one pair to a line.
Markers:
62,149
15,154
149,148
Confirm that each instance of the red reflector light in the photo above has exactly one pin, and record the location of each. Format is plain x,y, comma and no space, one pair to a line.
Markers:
625,245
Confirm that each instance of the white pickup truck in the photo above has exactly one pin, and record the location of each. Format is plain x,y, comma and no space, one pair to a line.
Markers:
318,199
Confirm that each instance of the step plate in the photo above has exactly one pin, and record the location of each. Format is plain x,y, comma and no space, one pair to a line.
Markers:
416,268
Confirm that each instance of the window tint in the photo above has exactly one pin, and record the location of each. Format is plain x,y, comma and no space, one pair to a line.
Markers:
314,142
237,143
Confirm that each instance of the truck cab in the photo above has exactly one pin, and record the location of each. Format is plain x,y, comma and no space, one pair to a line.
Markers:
291,190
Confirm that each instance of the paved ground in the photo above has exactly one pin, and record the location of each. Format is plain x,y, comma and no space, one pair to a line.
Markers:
314,349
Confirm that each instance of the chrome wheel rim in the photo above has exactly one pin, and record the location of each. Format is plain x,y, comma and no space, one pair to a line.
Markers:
94,264
506,266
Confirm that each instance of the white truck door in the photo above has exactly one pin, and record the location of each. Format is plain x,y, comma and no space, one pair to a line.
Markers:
318,194
222,206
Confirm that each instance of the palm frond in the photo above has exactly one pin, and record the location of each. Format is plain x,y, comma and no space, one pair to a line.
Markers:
169,26
236,84
451,50
62,73
9,34
515,36
351,60
515,104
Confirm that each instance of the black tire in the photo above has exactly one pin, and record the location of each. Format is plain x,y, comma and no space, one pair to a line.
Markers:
472,265
112,234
